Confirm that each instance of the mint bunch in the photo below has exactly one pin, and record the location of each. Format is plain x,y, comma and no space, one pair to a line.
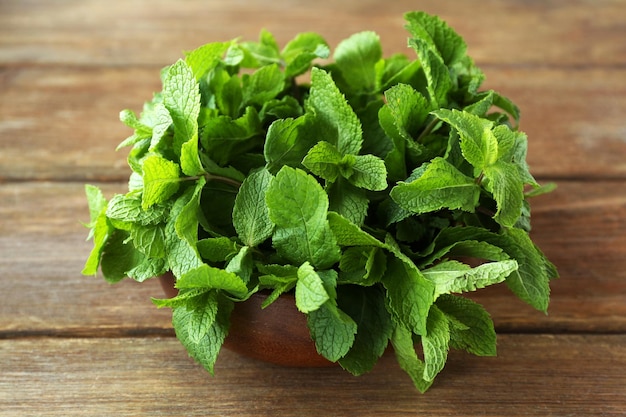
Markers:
377,189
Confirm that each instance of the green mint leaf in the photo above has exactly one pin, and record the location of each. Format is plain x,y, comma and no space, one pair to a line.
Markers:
250,213
225,138
241,264
506,105
509,143
148,268
281,278
101,230
438,79
201,316
137,155
404,350
540,190
324,160
182,255
129,118
96,203
356,58
135,182
184,298
409,293
141,131
299,53
470,77
262,85
456,277
530,282
369,172
217,249
375,140
227,90
298,206
162,122
507,187
186,224
181,97
435,343
394,248
128,208
391,212
283,108
216,214
149,240
408,108
362,265
288,142
513,149
478,143
332,330
334,118
310,291
349,234
160,180
389,68
397,69
366,306
441,185
228,172
448,44
466,248
209,277
190,158
348,200
479,337
395,160
118,256
482,105
234,55
208,347
260,53
203,59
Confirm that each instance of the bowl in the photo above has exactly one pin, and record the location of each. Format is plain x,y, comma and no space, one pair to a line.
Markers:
277,334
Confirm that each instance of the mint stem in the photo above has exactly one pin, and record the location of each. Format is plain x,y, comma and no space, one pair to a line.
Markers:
211,177
225,180
427,129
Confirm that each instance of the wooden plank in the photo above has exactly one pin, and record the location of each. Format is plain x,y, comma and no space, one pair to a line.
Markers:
573,119
43,248
581,227
534,375
45,137
119,32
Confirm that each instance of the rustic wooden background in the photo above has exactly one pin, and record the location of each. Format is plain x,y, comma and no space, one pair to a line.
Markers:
76,346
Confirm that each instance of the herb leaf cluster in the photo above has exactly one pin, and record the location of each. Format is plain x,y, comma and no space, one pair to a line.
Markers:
363,185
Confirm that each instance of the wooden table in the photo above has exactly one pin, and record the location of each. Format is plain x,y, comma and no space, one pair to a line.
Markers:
75,346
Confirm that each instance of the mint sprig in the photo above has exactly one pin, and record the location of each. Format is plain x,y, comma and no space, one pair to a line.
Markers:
364,191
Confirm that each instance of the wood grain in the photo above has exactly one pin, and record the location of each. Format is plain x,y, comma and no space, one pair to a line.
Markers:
43,247
122,32
581,227
76,346
573,118
539,375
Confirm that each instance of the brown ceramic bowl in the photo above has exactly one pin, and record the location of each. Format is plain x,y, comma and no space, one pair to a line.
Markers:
277,334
